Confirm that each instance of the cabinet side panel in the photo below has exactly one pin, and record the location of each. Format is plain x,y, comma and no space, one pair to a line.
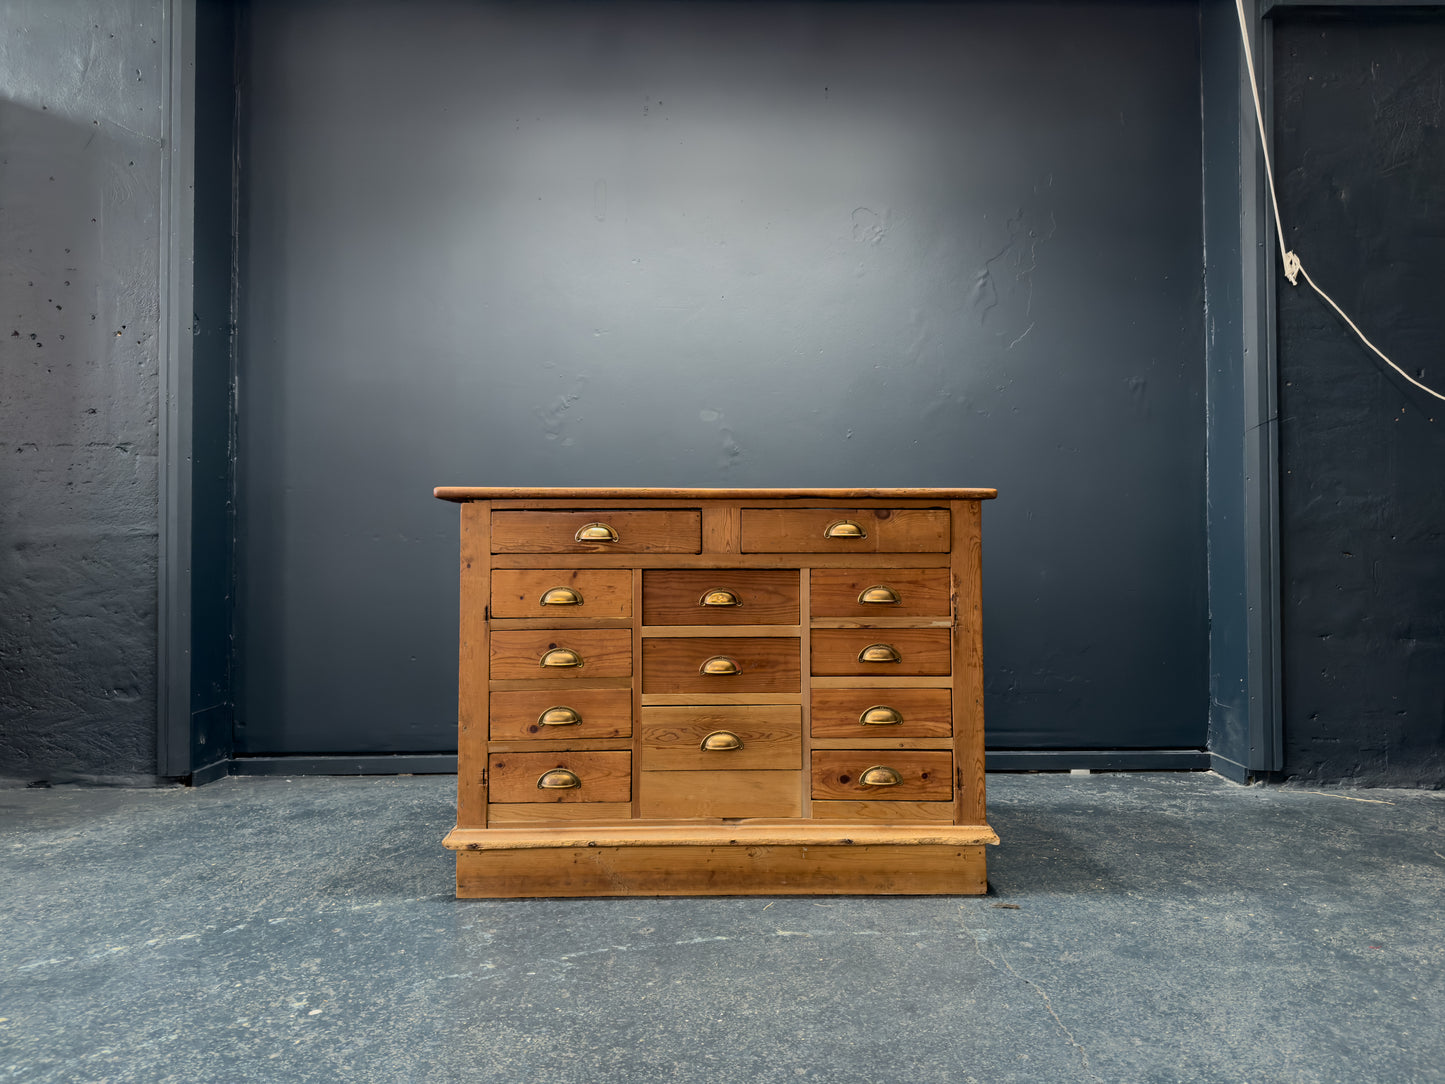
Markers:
967,569
472,663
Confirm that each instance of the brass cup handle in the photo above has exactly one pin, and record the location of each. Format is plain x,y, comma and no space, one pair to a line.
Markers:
879,594
844,528
880,775
558,779
880,715
879,653
561,658
720,597
596,532
720,665
559,716
721,741
561,596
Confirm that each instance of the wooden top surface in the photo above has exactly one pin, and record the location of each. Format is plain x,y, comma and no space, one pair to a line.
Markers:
646,493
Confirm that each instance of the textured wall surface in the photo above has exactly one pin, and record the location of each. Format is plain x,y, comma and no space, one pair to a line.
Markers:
80,166
1361,157
722,244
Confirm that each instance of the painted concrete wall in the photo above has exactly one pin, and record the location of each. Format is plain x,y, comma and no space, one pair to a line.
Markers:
80,167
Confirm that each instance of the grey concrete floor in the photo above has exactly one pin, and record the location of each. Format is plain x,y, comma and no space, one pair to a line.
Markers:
1168,927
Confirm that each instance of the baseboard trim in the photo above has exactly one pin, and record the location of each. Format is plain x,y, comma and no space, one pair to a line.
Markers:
1097,760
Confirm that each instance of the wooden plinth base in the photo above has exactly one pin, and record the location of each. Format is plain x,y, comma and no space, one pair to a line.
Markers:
722,871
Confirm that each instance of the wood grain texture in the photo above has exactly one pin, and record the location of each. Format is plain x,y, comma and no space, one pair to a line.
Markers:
517,655
672,738
887,530
605,776
759,832
605,592
606,713
968,661
746,793
765,596
925,652
926,713
638,531
721,527
708,560
768,664
922,592
884,812
551,815
472,664
927,775
649,493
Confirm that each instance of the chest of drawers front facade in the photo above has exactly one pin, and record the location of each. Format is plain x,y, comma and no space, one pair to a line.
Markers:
708,692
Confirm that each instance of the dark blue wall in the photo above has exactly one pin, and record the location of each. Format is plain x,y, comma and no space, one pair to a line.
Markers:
737,244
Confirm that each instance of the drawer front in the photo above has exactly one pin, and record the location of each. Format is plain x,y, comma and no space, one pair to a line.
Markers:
882,714
882,652
882,775
690,795
600,592
561,713
722,738
742,664
591,777
845,530
552,655
606,531
723,597
880,592
896,812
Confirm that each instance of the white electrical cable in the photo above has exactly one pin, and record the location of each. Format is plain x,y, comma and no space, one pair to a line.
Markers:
1293,269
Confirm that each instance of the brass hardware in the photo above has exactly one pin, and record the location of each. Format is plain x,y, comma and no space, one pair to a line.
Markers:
721,741
720,664
558,779
559,716
561,658
596,532
720,597
879,653
844,528
880,715
880,775
881,594
561,596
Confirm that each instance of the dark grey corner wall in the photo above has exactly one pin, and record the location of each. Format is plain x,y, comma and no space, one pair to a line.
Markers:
1361,162
722,243
80,167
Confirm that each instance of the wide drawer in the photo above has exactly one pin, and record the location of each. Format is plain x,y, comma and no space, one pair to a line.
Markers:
721,664
550,654
560,713
560,777
880,592
884,775
692,795
529,592
719,597
882,714
722,738
882,652
607,531
845,530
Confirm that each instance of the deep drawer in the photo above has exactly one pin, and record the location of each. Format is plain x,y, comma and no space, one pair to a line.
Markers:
845,530
882,714
880,592
882,652
526,592
721,664
722,738
561,713
884,775
552,655
606,531
721,597
560,777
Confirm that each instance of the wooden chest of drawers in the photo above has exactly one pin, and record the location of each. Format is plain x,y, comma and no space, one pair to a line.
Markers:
719,692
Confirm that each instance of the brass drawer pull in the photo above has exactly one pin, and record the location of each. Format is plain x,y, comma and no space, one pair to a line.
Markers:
880,715
880,594
561,596
880,775
721,741
561,658
879,653
844,528
558,779
559,716
720,597
720,664
595,532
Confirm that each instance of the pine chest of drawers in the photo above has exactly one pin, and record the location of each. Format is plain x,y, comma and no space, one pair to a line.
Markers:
719,692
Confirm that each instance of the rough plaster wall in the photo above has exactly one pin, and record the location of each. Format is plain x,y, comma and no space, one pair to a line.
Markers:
80,214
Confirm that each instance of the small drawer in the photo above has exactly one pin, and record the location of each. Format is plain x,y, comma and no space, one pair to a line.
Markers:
604,531
882,715
553,655
560,777
526,592
882,775
561,713
882,652
694,795
721,664
880,592
722,738
845,530
895,812
723,597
